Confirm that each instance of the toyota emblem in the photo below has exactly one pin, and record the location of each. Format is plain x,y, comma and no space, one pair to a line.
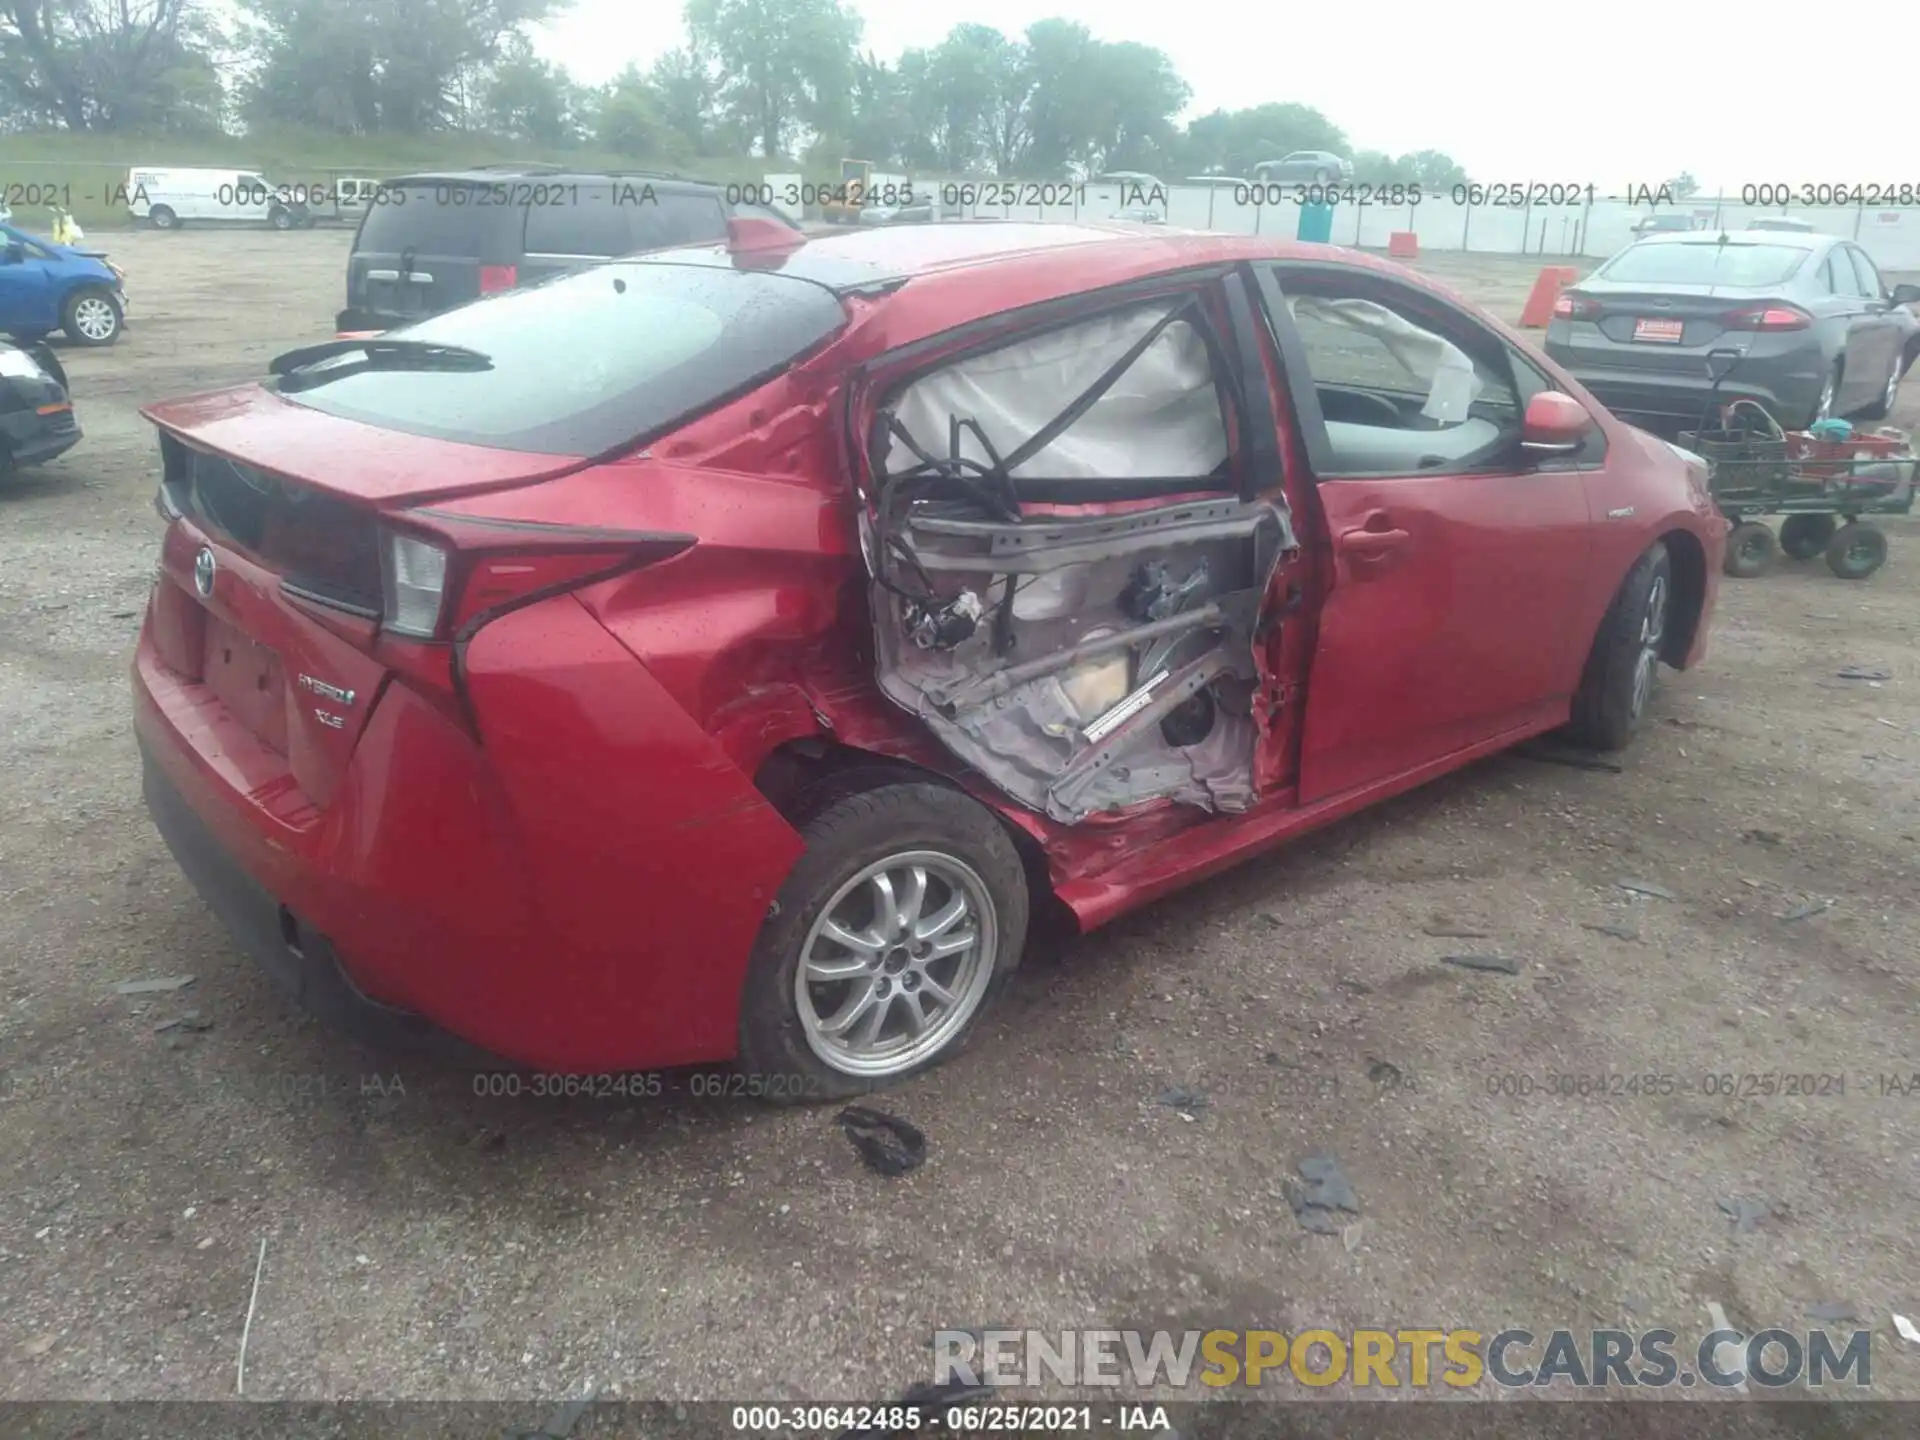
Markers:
203,569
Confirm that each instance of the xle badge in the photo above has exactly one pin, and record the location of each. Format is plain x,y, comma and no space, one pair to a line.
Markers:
1625,512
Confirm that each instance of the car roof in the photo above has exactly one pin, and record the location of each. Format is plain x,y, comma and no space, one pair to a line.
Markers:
1102,253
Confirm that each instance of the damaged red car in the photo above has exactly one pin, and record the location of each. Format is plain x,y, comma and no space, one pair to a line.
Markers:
722,654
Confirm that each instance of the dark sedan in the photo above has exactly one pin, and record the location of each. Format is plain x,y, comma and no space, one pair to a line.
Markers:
1820,333
36,415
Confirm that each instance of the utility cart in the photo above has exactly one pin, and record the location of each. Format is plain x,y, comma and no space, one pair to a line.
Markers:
1823,481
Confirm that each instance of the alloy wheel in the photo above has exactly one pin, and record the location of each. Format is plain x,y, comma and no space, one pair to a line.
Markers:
1653,629
897,964
93,317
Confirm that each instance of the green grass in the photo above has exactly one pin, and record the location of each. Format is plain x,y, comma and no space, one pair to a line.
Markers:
84,170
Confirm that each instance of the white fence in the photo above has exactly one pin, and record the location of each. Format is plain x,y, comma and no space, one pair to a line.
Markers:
1593,229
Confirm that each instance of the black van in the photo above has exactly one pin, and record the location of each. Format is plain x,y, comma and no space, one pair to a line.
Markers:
432,241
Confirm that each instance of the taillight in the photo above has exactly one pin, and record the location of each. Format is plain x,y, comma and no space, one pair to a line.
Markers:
439,591
495,278
1768,317
1575,307
415,575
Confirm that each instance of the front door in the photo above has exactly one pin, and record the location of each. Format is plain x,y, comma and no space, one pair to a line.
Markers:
1880,333
1453,565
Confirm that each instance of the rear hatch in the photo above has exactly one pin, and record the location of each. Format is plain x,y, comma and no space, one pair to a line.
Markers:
304,499
283,630
1660,308
426,245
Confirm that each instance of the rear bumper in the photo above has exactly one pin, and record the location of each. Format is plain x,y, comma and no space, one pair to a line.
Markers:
581,894
298,958
1667,403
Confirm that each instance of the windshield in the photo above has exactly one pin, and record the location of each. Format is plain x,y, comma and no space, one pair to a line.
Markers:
591,361
1705,263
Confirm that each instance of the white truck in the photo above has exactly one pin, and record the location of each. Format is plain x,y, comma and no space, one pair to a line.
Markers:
169,196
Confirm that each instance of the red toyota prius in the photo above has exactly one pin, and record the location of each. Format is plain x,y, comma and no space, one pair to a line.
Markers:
721,654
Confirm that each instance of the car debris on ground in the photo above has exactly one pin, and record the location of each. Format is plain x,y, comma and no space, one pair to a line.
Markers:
1807,910
1441,928
1324,1203
1745,1213
153,987
1618,932
1187,1101
1500,964
887,1144
1646,887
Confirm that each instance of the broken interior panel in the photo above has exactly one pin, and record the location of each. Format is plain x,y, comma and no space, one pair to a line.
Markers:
1082,644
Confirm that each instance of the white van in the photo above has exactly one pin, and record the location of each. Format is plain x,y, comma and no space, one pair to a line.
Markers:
167,197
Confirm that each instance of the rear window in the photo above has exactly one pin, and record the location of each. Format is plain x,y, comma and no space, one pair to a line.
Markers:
594,360
1706,263
446,218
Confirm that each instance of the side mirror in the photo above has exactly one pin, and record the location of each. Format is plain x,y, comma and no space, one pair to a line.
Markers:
1905,295
1555,424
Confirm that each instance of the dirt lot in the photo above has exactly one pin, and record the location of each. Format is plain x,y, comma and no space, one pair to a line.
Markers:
426,1242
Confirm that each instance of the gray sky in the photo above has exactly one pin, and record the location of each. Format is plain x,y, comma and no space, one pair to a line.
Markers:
1616,95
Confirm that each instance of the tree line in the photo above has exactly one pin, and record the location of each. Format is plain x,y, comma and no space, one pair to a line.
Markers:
785,80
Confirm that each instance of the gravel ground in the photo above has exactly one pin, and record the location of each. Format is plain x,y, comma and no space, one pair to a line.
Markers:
426,1242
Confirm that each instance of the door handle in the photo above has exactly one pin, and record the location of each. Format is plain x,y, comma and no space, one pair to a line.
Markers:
1372,544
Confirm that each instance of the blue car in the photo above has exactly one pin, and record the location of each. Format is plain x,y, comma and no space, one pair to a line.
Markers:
46,287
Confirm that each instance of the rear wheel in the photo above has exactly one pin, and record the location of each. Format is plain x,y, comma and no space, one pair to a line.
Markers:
1805,536
91,317
1619,678
1750,550
163,218
1856,550
898,928
282,219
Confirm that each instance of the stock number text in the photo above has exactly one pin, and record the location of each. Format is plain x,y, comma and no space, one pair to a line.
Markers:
1904,193
1274,193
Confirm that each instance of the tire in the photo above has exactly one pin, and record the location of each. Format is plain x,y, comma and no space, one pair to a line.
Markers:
1618,681
281,219
91,317
967,857
1805,536
1856,550
161,217
1751,550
